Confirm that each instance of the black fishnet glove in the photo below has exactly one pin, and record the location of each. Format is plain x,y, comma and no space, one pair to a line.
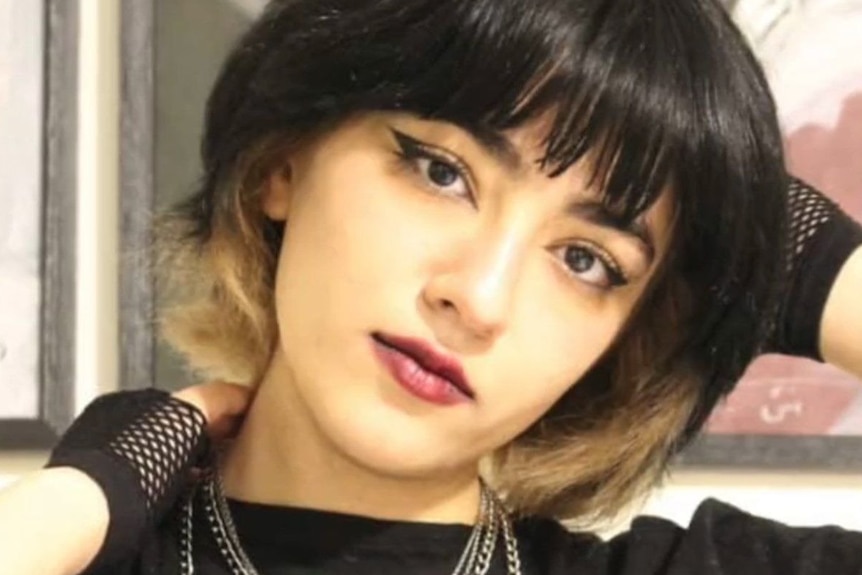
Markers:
139,446
822,237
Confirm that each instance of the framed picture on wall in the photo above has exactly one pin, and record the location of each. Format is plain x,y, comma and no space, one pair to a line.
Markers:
38,85
789,412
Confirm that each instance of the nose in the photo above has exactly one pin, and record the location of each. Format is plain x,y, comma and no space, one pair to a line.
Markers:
475,287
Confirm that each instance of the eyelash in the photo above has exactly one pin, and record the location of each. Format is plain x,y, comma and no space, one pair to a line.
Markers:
616,276
411,151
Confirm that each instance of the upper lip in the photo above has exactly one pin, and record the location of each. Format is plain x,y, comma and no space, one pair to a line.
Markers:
430,359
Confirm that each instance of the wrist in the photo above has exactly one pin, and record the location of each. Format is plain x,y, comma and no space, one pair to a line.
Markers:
138,448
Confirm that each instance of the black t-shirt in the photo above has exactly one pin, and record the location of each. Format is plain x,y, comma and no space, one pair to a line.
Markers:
290,541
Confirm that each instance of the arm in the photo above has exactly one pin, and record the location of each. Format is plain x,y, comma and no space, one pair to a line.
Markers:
841,328
108,482
820,314
52,522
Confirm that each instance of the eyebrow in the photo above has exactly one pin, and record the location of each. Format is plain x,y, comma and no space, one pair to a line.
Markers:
598,214
496,145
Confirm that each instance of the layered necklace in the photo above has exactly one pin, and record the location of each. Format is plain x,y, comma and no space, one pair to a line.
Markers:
493,523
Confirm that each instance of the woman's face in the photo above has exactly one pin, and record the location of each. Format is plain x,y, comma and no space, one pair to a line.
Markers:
436,292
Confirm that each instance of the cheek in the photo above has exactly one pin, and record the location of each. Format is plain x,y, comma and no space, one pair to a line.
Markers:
567,352
549,351
351,258
337,234
566,326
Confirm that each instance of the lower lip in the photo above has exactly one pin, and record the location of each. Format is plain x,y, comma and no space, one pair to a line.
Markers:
416,380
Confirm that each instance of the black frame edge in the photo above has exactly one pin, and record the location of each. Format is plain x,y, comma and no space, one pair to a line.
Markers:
137,195
774,453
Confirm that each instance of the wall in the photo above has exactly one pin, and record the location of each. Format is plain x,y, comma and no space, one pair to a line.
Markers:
792,497
193,38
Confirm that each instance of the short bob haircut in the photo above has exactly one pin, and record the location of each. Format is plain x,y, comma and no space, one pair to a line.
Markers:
659,94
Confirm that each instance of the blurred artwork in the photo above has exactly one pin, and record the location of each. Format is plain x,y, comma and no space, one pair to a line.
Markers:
21,64
812,51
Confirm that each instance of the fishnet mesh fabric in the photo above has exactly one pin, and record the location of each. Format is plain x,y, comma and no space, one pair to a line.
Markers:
158,445
809,211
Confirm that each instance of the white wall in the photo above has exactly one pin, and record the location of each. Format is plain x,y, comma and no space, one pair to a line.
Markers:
810,499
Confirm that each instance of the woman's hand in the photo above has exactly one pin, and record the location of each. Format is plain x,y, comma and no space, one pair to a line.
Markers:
222,404
113,476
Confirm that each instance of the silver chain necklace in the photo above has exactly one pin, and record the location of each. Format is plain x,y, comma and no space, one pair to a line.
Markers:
493,520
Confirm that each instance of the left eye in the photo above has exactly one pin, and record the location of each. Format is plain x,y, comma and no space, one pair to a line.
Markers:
442,175
591,266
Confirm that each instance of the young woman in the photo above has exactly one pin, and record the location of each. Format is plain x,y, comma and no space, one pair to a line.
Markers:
486,265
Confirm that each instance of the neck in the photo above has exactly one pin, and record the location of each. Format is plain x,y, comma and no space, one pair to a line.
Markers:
280,458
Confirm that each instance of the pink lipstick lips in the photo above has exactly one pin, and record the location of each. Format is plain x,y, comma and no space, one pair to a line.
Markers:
423,371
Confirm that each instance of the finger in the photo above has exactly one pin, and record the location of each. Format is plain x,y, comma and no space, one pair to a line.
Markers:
235,399
225,428
217,401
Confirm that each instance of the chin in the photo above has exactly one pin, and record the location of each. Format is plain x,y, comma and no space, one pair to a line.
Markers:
393,443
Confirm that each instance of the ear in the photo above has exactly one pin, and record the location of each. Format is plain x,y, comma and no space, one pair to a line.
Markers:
277,192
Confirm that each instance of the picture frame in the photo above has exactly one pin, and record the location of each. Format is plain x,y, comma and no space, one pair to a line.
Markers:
137,361
53,381
786,414
773,453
